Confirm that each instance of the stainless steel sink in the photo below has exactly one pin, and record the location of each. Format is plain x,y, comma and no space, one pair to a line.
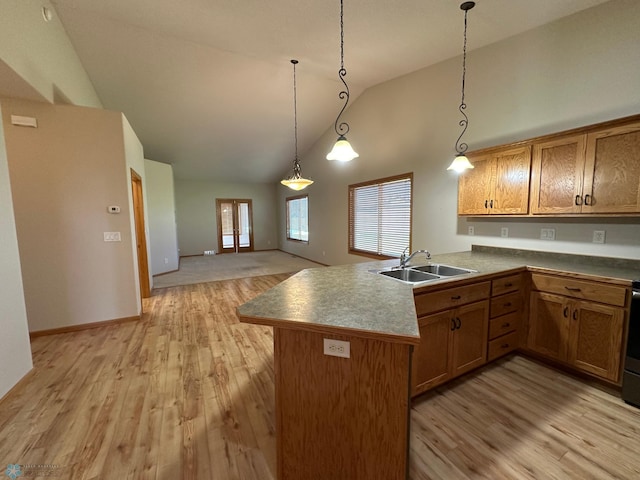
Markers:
409,275
424,273
443,270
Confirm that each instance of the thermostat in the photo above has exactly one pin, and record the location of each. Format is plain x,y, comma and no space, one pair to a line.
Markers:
113,209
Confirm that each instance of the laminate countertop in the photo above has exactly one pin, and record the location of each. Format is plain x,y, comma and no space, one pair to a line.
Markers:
350,300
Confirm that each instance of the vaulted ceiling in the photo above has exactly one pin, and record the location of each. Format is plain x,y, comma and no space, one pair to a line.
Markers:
208,85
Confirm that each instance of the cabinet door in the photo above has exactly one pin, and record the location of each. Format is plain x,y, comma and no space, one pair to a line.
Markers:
474,187
612,171
596,339
430,361
549,325
469,340
510,193
556,176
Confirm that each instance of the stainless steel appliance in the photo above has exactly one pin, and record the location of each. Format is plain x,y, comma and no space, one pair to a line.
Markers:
631,374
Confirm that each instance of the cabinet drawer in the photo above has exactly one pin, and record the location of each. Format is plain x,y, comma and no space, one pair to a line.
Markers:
512,283
502,345
511,302
582,289
451,297
505,324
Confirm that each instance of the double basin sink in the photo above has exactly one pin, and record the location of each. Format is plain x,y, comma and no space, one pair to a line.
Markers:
424,273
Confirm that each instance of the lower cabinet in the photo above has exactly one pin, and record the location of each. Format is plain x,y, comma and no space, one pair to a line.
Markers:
584,334
452,342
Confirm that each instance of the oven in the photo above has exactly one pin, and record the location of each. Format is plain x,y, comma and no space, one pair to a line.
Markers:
631,374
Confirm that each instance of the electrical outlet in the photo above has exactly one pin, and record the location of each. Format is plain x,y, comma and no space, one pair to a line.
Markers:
504,232
337,348
112,237
598,236
166,261
547,234
472,231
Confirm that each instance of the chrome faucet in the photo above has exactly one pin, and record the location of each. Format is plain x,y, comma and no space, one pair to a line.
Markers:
404,259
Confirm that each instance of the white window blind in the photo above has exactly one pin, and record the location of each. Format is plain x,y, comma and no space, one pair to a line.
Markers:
298,218
380,216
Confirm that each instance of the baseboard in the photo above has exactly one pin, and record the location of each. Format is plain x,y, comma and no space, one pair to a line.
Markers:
18,385
304,258
166,273
84,326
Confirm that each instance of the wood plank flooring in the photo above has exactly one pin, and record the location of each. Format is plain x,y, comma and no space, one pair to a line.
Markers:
187,393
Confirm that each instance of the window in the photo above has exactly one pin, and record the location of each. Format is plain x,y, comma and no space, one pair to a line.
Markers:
298,218
380,216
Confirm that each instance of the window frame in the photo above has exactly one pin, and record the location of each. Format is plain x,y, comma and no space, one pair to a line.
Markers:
288,231
351,213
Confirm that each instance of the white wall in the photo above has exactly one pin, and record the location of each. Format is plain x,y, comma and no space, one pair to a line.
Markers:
64,174
196,214
577,71
41,53
161,209
15,349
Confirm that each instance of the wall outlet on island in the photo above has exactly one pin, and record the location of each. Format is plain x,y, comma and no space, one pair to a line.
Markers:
504,232
472,231
598,236
547,234
337,348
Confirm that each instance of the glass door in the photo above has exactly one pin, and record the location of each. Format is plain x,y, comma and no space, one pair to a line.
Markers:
235,225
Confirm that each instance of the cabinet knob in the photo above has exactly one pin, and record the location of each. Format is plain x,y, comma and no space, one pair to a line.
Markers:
491,204
575,314
565,312
453,324
486,204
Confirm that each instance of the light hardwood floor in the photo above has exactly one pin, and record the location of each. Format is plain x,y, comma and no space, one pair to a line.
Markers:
187,393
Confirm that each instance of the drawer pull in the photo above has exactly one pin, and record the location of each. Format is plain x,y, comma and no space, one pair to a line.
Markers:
565,312
508,284
456,297
508,304
573,289
504,345
575,314
578,200
506,325
586,199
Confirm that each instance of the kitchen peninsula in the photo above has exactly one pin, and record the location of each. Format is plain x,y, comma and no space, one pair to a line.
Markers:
345,413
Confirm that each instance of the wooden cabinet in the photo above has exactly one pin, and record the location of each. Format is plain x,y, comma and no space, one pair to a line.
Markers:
582,327
505,314
596,172
497,185
453,327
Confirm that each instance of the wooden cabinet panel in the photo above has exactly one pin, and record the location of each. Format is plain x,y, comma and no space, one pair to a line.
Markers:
557,169
580,289
511,283
504,324
469,339
596,339
430,363
511,182
497,185
503,304
431,302
548,325
474,187
502,346
612,171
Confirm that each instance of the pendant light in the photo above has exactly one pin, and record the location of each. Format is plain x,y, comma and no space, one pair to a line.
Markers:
342,150
295,181
461,162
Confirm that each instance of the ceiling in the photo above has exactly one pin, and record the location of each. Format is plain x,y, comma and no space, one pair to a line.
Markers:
207,85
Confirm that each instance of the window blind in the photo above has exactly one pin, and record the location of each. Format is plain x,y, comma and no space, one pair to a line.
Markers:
380,216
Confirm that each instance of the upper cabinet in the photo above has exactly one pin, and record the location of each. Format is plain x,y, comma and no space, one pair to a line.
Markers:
591,170
497,185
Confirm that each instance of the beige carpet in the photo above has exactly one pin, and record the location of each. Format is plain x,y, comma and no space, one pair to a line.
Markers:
209,268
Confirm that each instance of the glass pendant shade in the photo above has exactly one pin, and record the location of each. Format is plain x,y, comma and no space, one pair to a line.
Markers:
342,151
296,182
460,164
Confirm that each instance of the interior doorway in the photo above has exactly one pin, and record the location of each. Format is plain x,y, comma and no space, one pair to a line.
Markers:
235,225
141,237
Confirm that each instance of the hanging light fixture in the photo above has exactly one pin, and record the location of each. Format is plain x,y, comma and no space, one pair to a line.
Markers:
342,150
295,181
461,162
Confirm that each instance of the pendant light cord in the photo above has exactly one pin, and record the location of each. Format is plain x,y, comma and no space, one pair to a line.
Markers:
461,147
342,128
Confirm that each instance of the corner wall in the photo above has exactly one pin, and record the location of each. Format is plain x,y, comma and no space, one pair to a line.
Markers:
64,174
163,237
15,349
579,70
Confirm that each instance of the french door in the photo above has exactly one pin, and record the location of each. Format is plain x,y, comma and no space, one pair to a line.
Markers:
235,225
